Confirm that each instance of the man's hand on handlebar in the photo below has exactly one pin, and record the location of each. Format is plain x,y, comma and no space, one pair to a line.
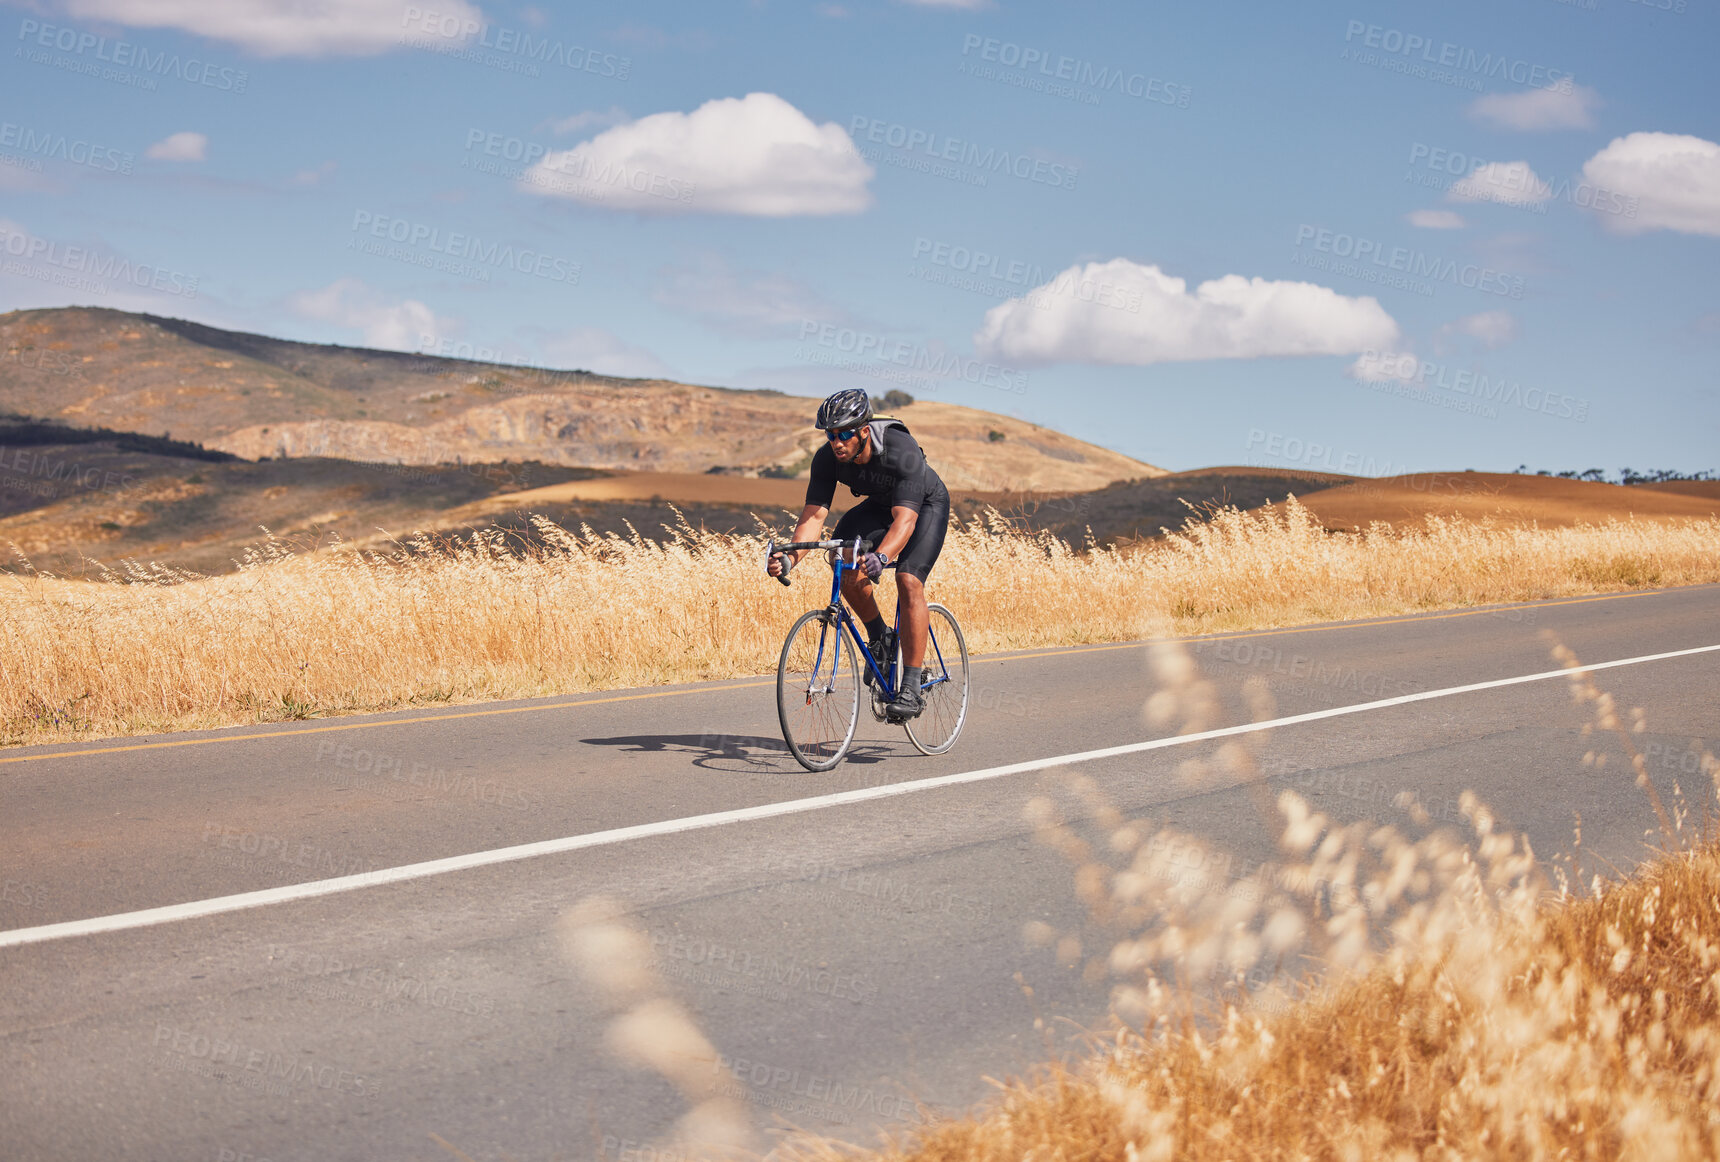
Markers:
874,564
779,564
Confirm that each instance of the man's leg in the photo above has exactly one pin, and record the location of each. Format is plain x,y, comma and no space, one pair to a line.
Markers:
857,590
911,608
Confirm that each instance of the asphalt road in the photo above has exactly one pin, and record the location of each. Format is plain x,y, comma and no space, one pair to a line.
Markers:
851,962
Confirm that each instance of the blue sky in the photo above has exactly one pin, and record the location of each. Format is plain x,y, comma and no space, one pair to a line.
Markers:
1368,237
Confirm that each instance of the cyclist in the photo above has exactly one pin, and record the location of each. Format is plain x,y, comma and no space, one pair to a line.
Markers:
905,512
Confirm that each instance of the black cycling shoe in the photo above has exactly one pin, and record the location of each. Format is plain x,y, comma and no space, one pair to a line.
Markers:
908,704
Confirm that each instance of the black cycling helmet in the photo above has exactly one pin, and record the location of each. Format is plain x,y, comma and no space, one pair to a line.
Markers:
846,409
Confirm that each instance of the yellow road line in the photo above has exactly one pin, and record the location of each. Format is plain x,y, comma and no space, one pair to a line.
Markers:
66,754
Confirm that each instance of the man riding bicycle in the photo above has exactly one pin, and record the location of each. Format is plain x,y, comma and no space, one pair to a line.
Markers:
905,512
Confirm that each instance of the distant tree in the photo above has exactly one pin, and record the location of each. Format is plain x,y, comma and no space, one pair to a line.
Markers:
994,436
1595,474
894,399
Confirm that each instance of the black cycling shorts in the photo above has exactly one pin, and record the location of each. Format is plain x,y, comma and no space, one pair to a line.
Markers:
871,519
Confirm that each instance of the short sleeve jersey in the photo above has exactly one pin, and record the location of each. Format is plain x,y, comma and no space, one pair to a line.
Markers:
897,472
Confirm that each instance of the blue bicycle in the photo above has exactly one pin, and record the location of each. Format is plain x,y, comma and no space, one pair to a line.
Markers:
818,675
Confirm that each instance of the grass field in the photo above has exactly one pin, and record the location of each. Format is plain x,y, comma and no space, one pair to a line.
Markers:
298,635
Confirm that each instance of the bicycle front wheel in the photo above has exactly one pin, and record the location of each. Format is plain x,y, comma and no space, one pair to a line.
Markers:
943,685
817,691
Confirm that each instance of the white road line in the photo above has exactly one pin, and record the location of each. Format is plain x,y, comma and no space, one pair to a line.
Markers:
435,867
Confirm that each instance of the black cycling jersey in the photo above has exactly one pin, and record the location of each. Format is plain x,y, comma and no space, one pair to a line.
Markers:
897,472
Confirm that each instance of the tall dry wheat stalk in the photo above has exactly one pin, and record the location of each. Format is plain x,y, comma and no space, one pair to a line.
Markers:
341,630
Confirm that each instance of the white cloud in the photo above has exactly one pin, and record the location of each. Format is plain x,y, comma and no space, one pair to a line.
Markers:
1125,313
750,303
348,302
1508,183
590,119
1435,219
311,177
179,147
594,349
1674,177
1385,366
756,155
1571,108
1492,329
280,27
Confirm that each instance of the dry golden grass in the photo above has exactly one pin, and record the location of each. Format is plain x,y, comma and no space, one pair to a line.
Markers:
340,630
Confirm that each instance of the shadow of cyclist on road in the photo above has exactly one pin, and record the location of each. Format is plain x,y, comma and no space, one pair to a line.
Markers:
732,753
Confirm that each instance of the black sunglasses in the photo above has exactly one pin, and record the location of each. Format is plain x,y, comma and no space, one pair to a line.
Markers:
844,435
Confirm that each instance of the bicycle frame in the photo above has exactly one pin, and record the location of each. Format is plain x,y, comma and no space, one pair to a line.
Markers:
838,613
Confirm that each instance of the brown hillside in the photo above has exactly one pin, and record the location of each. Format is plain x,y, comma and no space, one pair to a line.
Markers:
1708,488
255,396
64,505
1506,498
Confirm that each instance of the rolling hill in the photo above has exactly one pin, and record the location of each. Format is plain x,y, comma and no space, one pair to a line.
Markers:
257,397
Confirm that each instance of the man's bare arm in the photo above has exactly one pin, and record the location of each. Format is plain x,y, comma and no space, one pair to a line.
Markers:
811,522
902,522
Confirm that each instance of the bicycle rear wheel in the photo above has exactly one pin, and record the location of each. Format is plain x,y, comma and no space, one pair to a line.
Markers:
817,691
943,685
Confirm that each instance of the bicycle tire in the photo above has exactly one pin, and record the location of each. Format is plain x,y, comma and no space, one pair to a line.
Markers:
812,718
944,685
